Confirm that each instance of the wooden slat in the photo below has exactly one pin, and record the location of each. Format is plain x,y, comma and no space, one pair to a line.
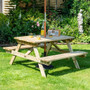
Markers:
48,48
25,56
7,6
22,47
7,0
60,50
14,47
28,52
40,65
10,7
14,56
29,57
56,47
74,59
62,56
47,39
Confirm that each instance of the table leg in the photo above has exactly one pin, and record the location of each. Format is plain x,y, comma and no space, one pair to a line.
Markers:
58,49
74,59
29,51
14,56
48,48
40,65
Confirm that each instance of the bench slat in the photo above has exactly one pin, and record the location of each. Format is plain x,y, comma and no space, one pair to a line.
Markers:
62,56
14,47
22,47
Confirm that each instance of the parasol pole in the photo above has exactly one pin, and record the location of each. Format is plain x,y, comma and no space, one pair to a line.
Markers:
44,26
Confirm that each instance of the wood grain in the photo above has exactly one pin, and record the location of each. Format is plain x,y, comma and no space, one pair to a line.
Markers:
62,56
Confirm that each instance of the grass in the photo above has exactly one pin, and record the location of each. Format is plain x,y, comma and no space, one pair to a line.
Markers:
23,75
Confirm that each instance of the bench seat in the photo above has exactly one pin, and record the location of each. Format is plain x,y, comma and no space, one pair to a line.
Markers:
14,47
62,56
10,48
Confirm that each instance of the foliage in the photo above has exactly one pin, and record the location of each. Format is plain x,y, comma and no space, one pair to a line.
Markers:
84,38
84,5
5,33
19,23
23,20
86,24
26,24
67,23
72,7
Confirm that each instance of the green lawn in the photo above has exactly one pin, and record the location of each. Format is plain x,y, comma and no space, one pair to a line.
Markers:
23,75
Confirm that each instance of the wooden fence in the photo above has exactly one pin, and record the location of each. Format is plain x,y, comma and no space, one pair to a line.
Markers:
5,5
52,3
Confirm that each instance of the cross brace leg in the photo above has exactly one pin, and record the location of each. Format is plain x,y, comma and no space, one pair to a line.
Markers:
74,59
48,48
40,65
14,56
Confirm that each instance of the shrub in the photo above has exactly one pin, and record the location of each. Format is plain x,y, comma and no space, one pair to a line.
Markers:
72,7
27,23
67,20
23,21
5,33
82,38
15,26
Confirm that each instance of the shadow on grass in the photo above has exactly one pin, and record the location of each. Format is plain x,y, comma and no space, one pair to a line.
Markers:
68,63
67,67
27,63
84,63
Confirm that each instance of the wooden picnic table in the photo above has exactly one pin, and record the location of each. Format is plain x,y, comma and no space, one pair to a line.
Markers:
34,43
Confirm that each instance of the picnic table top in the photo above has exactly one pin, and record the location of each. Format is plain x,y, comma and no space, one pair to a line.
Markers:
43,39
